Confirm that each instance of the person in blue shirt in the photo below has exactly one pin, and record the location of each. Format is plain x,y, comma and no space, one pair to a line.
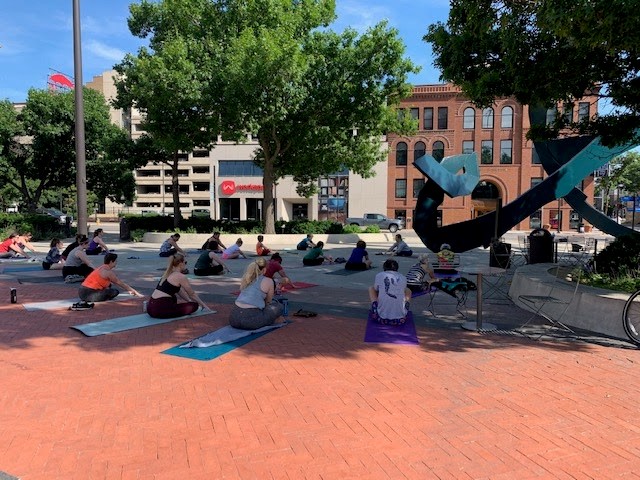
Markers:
306,243
359,259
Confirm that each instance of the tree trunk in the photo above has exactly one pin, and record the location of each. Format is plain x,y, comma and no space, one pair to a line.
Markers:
268,210
175,190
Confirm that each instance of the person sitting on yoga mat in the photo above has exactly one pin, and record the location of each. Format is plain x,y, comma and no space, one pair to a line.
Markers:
261,250
254,308
170,246
389,295
164,302
54,260
24,242
275,266
306,243
77,263
214,238
208,263
399,248
71,246
97,245
316,256
9,248
359,259
97,286
420,276
234,251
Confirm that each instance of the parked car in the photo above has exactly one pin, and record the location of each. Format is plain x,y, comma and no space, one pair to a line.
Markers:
392,224
201,212
54,212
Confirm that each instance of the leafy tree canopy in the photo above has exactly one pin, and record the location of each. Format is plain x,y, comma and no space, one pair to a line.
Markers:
544,52
318,101
37,147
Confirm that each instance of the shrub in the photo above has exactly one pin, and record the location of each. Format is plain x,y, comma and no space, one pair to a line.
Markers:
352,229
372,229
138,234
622,256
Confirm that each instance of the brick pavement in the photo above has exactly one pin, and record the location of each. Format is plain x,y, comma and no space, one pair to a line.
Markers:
310,400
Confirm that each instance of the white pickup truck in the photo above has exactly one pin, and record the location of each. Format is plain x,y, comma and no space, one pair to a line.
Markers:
385,223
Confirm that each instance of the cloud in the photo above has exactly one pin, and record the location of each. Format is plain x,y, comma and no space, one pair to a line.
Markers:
102,50
360,15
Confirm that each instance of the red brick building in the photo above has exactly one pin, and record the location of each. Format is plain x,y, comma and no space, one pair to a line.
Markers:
450,124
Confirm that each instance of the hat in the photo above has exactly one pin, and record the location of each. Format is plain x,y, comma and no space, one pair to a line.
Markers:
445,246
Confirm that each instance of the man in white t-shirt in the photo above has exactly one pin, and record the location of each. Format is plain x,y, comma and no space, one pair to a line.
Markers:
390,295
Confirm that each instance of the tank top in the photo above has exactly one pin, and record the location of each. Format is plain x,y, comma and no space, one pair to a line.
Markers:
252,295
168,288
95,281
92,245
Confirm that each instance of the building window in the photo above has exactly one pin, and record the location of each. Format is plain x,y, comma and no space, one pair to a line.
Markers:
535,158
583,111
415,112
239,168
568,113
486,157
506,117
469,118
300,211
443,118
438,150
418,183
467,146
200,153
201,186
535,181
427,120
487,118
254,208
401,154
200,169
535,219
506,151
401,188
551,115
419,149
230,209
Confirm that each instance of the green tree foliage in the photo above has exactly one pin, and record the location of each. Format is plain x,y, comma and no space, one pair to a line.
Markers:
317,101
544,52
37,148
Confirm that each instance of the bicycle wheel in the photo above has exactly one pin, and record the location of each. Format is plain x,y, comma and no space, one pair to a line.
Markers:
631,317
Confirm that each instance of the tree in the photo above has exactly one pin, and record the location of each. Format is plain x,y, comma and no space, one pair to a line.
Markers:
318,101
37,152
545,52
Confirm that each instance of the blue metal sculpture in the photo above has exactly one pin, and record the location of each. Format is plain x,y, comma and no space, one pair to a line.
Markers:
567,161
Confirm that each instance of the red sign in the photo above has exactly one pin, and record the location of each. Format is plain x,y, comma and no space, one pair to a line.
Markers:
229,187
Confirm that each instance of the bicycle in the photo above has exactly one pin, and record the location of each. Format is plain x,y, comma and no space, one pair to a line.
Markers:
631,317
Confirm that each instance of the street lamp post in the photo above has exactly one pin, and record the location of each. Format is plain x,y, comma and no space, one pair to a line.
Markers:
81,166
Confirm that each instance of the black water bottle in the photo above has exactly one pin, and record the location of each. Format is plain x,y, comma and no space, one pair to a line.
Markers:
14,295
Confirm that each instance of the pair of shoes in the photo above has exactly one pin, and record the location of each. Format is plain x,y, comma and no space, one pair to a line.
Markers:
305,313
81,306
73,278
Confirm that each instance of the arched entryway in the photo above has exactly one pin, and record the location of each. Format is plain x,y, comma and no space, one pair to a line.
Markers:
485,198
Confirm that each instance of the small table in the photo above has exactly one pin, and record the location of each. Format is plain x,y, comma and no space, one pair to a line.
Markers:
479,271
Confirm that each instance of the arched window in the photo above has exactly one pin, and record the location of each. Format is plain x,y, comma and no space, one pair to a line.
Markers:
438,150
507,117
487,118
419,149
469,118
401,153
485,189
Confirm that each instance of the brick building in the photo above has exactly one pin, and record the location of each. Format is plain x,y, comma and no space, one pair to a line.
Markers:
449,124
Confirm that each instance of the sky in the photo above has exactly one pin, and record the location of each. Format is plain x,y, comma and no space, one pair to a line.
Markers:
36,36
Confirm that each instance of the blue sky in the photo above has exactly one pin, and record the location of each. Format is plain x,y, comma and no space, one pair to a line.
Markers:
36,36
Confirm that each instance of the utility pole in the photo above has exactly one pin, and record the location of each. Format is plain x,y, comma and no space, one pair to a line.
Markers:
81,163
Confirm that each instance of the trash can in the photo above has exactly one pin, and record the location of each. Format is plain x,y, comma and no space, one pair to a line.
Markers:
500,255
125,231
540,246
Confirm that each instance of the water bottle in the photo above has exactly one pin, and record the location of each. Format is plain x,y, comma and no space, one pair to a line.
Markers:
285,306
14,295
144,306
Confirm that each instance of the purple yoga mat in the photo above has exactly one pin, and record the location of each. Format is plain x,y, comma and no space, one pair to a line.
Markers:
399,334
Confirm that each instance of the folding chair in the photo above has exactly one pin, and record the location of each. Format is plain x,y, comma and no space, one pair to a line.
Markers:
446,271
551,306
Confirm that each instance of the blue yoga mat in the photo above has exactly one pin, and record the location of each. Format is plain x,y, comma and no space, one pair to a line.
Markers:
209,353
23,268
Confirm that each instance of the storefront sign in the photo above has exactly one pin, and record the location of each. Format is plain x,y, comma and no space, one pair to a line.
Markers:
229,187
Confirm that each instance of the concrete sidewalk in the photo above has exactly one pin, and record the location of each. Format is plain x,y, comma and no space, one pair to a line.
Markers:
311,400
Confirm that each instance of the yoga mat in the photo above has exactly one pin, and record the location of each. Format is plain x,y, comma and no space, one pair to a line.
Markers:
287,288
45,279
23,268
399,334
121,324
215,351
344,271
67,302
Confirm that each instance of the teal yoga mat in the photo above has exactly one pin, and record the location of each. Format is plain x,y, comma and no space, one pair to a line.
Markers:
209,353
131,322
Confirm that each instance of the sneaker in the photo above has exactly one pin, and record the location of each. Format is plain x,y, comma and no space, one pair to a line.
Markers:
81,306
73,278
